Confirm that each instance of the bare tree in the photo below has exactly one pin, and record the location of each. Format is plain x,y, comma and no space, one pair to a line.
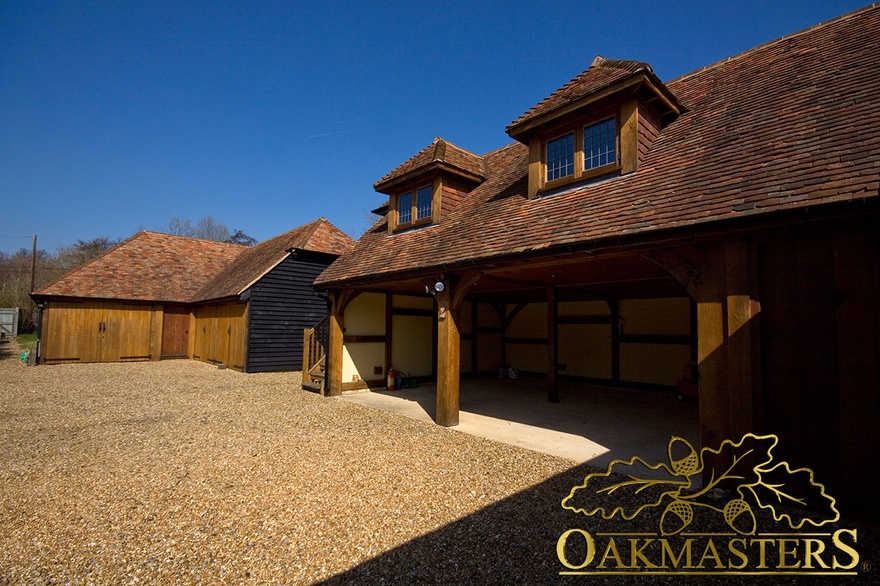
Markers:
207,229
180,227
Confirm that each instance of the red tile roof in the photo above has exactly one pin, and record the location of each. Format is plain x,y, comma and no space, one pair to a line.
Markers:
439,153
149,266
790,124
254,262
602,73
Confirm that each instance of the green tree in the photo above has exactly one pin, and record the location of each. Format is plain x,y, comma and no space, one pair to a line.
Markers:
240,237
74,255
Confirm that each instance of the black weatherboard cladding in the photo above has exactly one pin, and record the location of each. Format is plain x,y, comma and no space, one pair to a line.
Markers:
282,305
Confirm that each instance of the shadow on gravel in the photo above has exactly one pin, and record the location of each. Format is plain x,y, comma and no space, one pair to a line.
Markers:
8,348
514,541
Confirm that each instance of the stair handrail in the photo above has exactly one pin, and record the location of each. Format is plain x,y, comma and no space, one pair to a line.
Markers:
314,349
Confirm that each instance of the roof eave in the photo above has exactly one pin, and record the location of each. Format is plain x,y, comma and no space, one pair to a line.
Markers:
387,187
523,131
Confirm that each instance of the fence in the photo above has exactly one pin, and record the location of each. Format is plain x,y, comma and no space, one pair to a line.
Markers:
8,321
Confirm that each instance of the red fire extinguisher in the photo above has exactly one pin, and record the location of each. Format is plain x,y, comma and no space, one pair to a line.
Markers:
390,379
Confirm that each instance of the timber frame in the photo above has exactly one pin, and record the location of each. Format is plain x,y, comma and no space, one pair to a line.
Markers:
776,263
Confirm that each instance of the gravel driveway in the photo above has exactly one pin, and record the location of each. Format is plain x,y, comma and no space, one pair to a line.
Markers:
177,472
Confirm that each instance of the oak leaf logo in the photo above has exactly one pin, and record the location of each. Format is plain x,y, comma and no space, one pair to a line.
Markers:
744,470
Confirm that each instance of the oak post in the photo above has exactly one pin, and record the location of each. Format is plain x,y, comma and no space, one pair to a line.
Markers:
448,359
449,301
336,326
743,357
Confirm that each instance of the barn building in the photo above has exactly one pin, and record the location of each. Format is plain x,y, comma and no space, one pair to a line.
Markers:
158,296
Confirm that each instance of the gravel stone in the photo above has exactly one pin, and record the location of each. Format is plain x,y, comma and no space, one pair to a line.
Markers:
177,472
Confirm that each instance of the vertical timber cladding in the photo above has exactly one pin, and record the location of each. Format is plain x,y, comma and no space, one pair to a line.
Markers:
281,305
99,331
175,331
820,346
220,334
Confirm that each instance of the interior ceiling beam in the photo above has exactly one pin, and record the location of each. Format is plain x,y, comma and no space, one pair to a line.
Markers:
526,282
527,285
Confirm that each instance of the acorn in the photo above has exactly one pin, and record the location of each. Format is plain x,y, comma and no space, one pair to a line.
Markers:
676,516
687,465
739,515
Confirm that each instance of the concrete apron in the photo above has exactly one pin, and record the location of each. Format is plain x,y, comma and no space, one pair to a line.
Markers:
590,424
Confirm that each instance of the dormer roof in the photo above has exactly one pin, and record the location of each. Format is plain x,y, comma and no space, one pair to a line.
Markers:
604,79
439,155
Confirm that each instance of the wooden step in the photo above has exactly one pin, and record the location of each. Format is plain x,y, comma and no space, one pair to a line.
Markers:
312,386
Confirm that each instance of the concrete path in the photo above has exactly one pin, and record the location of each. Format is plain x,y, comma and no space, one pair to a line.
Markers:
589,424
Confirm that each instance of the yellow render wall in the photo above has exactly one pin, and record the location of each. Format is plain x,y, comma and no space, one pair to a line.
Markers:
488,343
656,316
530,322
412,337
654,363
464,329
364,316
585,349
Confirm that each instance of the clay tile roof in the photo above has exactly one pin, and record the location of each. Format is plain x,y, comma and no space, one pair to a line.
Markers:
794,123
253,263
149,266
439,153
601,74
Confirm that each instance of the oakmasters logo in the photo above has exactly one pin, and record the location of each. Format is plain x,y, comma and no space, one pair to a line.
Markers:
659,506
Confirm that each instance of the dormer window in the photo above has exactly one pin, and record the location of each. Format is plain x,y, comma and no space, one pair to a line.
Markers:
423,202
415,207
587,150
600,144
429,186
560,157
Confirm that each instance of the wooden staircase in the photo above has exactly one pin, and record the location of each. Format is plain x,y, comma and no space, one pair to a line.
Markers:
315,357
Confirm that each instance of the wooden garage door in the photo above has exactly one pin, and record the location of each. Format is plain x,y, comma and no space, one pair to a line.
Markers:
90,331
221,334
175,331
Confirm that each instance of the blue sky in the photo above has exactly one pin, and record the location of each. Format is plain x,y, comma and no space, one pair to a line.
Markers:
116,116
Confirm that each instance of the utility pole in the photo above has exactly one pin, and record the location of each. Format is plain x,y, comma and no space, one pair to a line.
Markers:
34,264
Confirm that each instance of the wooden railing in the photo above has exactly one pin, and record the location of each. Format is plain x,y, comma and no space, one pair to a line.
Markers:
315,357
